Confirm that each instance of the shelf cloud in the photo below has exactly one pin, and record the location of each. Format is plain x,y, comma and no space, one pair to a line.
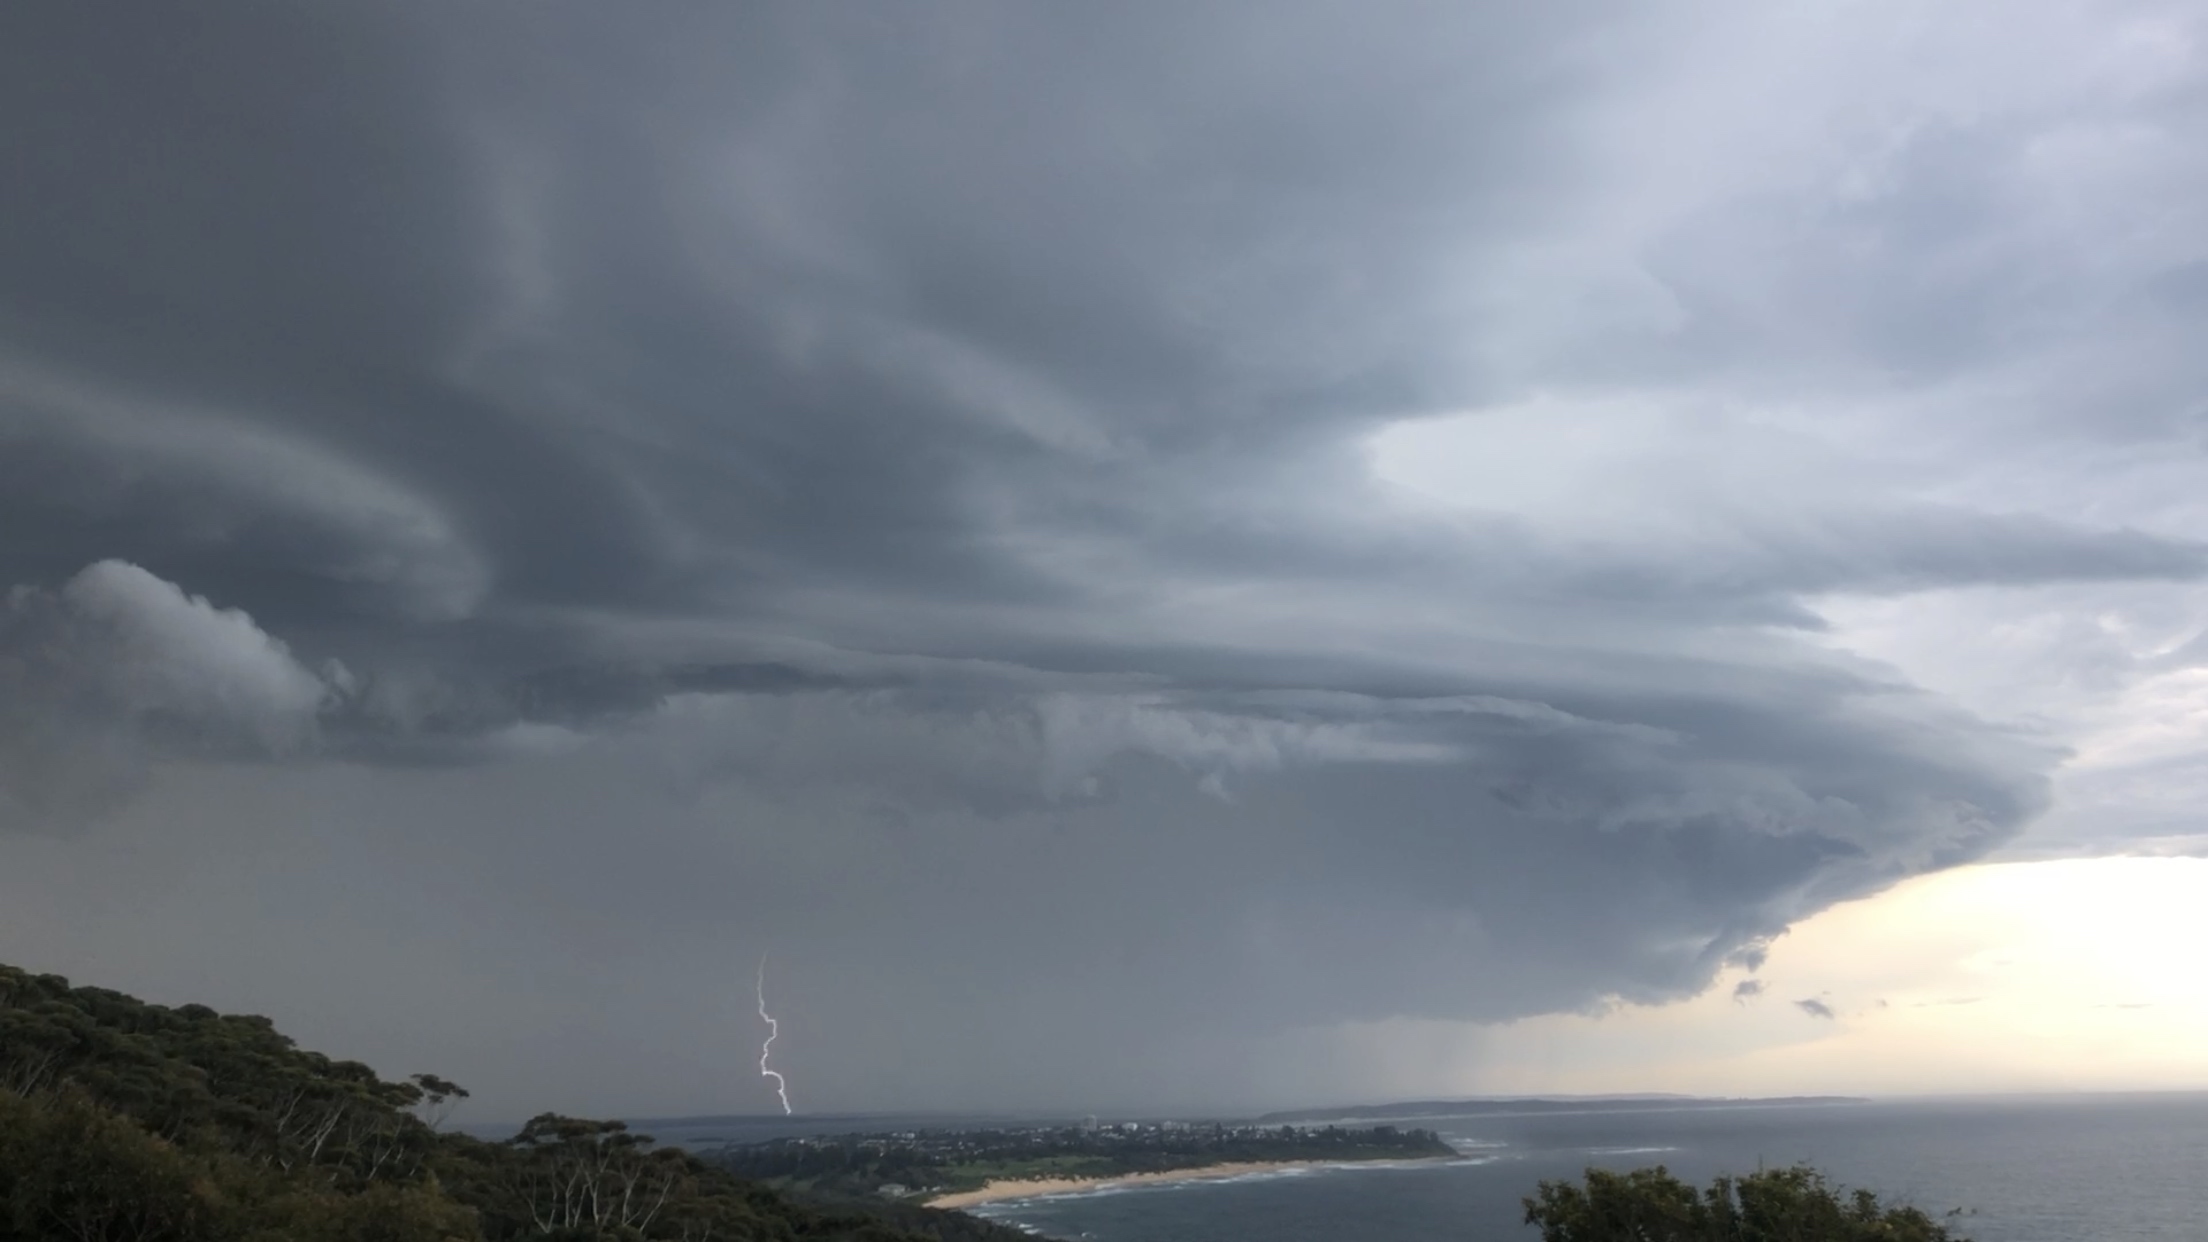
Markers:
1099,536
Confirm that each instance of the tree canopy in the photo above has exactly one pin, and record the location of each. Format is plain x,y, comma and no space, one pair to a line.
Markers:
1773,1205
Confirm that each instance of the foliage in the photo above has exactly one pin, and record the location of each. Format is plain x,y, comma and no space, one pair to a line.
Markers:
1775,1205
69,1168
122,1121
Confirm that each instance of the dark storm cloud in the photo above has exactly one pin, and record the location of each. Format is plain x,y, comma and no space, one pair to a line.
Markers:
895,485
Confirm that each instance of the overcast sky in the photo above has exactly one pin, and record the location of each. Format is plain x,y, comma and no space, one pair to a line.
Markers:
1162,556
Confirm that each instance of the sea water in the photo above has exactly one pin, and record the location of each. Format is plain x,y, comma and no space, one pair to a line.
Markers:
2047,1169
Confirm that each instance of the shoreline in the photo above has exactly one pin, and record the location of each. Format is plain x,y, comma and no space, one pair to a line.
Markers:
1001,1189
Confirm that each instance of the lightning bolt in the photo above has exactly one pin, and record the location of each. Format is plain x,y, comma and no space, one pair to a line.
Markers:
781,1085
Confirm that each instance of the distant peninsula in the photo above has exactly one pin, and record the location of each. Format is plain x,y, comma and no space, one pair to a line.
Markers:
960,1168
1529,1105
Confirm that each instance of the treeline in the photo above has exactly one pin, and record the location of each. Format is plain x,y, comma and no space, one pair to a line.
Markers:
122,1121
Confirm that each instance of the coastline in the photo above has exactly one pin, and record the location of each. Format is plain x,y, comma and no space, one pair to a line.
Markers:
1033,1187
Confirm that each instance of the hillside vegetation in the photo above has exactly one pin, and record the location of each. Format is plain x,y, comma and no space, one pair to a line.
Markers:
122,1121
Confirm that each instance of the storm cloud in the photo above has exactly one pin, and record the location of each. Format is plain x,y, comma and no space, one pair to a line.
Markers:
117,663
1099,536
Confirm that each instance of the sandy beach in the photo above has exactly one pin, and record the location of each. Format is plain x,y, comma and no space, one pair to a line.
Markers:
1030,1187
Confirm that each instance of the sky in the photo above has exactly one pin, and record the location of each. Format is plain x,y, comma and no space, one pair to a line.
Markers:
1145,557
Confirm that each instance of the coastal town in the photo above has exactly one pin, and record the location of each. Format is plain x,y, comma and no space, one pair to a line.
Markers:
933,1165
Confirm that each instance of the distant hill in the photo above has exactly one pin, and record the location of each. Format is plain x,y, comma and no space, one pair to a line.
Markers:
1524,1105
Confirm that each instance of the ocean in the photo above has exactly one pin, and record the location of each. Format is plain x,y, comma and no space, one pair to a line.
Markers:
2018,1169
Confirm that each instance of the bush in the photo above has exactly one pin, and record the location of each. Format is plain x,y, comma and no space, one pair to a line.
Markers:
71,1169
1775,1205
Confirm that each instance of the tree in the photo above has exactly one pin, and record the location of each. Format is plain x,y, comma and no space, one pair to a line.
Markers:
70,1169
579,1176
439,1096
1774,1205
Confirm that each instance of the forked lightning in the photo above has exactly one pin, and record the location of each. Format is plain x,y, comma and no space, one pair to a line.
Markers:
781,1085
